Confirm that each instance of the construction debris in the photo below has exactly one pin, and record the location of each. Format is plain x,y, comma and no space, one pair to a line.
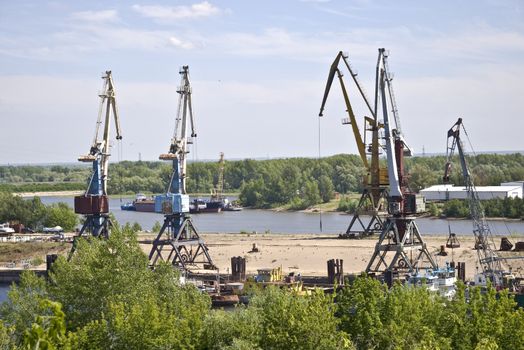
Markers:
452,241
505,244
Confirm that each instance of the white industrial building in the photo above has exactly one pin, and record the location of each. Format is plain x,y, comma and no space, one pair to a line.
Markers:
447,192
516,184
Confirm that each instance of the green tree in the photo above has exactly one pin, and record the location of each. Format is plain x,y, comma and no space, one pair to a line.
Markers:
24,301
359,308
293,322
6,337
422,177
456,208
277,319
223,328
136,227
251,194
134,308
62,215
38,212
49,330
347,204
156,227
433,209
311,193
326,188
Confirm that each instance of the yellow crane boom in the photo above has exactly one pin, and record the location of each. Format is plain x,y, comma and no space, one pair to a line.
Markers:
352,119
375,182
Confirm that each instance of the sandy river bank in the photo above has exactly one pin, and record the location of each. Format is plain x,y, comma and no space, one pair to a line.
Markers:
304,253
308,254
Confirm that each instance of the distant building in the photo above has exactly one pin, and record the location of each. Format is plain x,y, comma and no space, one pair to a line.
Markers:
515,183
447,192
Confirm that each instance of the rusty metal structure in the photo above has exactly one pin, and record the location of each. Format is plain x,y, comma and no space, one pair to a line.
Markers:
238,268
93,204
178,241
452,241
400,247
335,269
375,182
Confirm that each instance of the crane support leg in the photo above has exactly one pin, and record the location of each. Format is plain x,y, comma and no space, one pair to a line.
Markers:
97,226
179,243
358,228
400,248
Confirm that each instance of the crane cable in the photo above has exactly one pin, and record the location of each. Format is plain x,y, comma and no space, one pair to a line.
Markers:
492,195
120,151
320,175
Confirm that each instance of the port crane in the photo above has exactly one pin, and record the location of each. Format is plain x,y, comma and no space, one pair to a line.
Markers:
375,181
93,204
400,247
490,262
216,193
178,241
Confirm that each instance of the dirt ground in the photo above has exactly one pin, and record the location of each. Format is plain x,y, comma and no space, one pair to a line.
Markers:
304,253
308,254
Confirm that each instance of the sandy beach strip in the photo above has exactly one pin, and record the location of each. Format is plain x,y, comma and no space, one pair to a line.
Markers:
49,194
308,254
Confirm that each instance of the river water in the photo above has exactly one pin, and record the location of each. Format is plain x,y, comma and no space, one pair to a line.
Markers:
4,288
261,221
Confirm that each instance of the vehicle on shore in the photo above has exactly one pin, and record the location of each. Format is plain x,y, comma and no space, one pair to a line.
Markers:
4,228
55,229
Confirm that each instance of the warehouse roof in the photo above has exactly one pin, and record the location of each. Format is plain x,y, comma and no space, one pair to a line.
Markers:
449,188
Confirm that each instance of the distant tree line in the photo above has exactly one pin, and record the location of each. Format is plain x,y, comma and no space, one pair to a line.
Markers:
18,174
43,187
487,169
294,182
499,207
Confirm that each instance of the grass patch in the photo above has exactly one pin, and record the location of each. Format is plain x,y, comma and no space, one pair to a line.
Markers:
31,250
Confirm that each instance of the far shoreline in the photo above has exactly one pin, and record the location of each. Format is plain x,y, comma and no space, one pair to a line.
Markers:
311,210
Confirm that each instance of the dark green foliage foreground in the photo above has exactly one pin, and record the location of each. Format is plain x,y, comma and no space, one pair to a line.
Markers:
108,298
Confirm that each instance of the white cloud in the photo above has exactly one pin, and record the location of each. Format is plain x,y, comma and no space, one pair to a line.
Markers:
166,13
481,43
96,16
85,38
298,46
180,43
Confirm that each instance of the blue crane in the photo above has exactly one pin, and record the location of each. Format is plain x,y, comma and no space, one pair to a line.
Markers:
93,204
178,241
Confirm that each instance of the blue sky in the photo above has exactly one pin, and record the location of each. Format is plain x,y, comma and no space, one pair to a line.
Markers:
258,70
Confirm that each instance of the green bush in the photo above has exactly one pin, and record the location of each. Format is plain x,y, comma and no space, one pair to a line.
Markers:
347,204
